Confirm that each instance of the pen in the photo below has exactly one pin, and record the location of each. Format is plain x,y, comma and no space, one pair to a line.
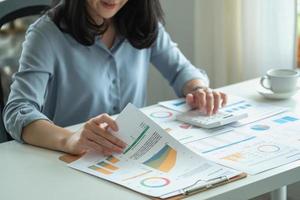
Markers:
209,184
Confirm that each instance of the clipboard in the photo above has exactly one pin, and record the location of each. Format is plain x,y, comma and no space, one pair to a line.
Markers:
210,185
191,191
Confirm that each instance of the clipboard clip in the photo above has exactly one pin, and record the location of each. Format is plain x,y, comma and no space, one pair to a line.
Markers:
208,184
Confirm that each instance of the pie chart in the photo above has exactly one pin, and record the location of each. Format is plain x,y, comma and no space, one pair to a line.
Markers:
161,114
268,148
155,182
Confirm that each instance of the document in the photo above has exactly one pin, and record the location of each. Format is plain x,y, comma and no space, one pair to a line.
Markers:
256,111
153,163
245,151
183,132
179,105
239,145
284,127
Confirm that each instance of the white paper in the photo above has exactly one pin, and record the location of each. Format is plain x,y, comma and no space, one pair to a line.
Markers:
256,111
284,127
246,152
181,131
179,105
153,163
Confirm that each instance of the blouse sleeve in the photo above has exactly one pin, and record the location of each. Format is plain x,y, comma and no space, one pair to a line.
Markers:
29,85
172,64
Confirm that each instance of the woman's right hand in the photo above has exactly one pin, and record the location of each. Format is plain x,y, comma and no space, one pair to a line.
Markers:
95,135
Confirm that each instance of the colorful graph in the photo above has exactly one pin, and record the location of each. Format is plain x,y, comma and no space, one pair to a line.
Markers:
260,127
241,106
180,103
108,166
112,159
144,128
217,148
235,157
137,176
155,182
99,169
164,160
161,114
268,148
185,126
286,119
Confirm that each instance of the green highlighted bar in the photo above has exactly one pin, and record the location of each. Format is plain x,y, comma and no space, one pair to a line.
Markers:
93,167
137,140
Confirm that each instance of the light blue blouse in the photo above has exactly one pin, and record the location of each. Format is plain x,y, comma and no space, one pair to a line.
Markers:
66,83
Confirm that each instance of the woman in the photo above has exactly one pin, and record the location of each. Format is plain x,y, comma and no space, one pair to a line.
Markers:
90,57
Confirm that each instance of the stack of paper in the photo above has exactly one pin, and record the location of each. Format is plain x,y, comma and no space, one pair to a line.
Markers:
165,157
154,163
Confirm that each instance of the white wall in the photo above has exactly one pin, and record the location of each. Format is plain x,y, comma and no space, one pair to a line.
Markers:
190,25
180,20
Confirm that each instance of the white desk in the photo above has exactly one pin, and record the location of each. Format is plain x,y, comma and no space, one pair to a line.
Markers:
28,172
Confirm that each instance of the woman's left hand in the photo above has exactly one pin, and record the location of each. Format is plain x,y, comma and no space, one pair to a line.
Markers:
206,100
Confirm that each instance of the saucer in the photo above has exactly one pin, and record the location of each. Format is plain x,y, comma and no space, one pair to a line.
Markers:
271,95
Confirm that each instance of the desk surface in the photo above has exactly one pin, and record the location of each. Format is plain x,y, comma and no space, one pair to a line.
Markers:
28,172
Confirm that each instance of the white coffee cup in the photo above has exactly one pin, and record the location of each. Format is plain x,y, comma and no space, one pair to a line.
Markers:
280,80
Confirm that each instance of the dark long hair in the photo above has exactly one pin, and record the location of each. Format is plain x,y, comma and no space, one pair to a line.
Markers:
137,21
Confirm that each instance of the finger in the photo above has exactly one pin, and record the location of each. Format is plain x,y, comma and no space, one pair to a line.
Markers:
92,146
105,118
107,153
98,140
190,100
94,133
217,100
209,102
105,134
200,100
107,145
224,98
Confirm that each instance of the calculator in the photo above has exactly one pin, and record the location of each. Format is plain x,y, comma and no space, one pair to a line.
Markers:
196,118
